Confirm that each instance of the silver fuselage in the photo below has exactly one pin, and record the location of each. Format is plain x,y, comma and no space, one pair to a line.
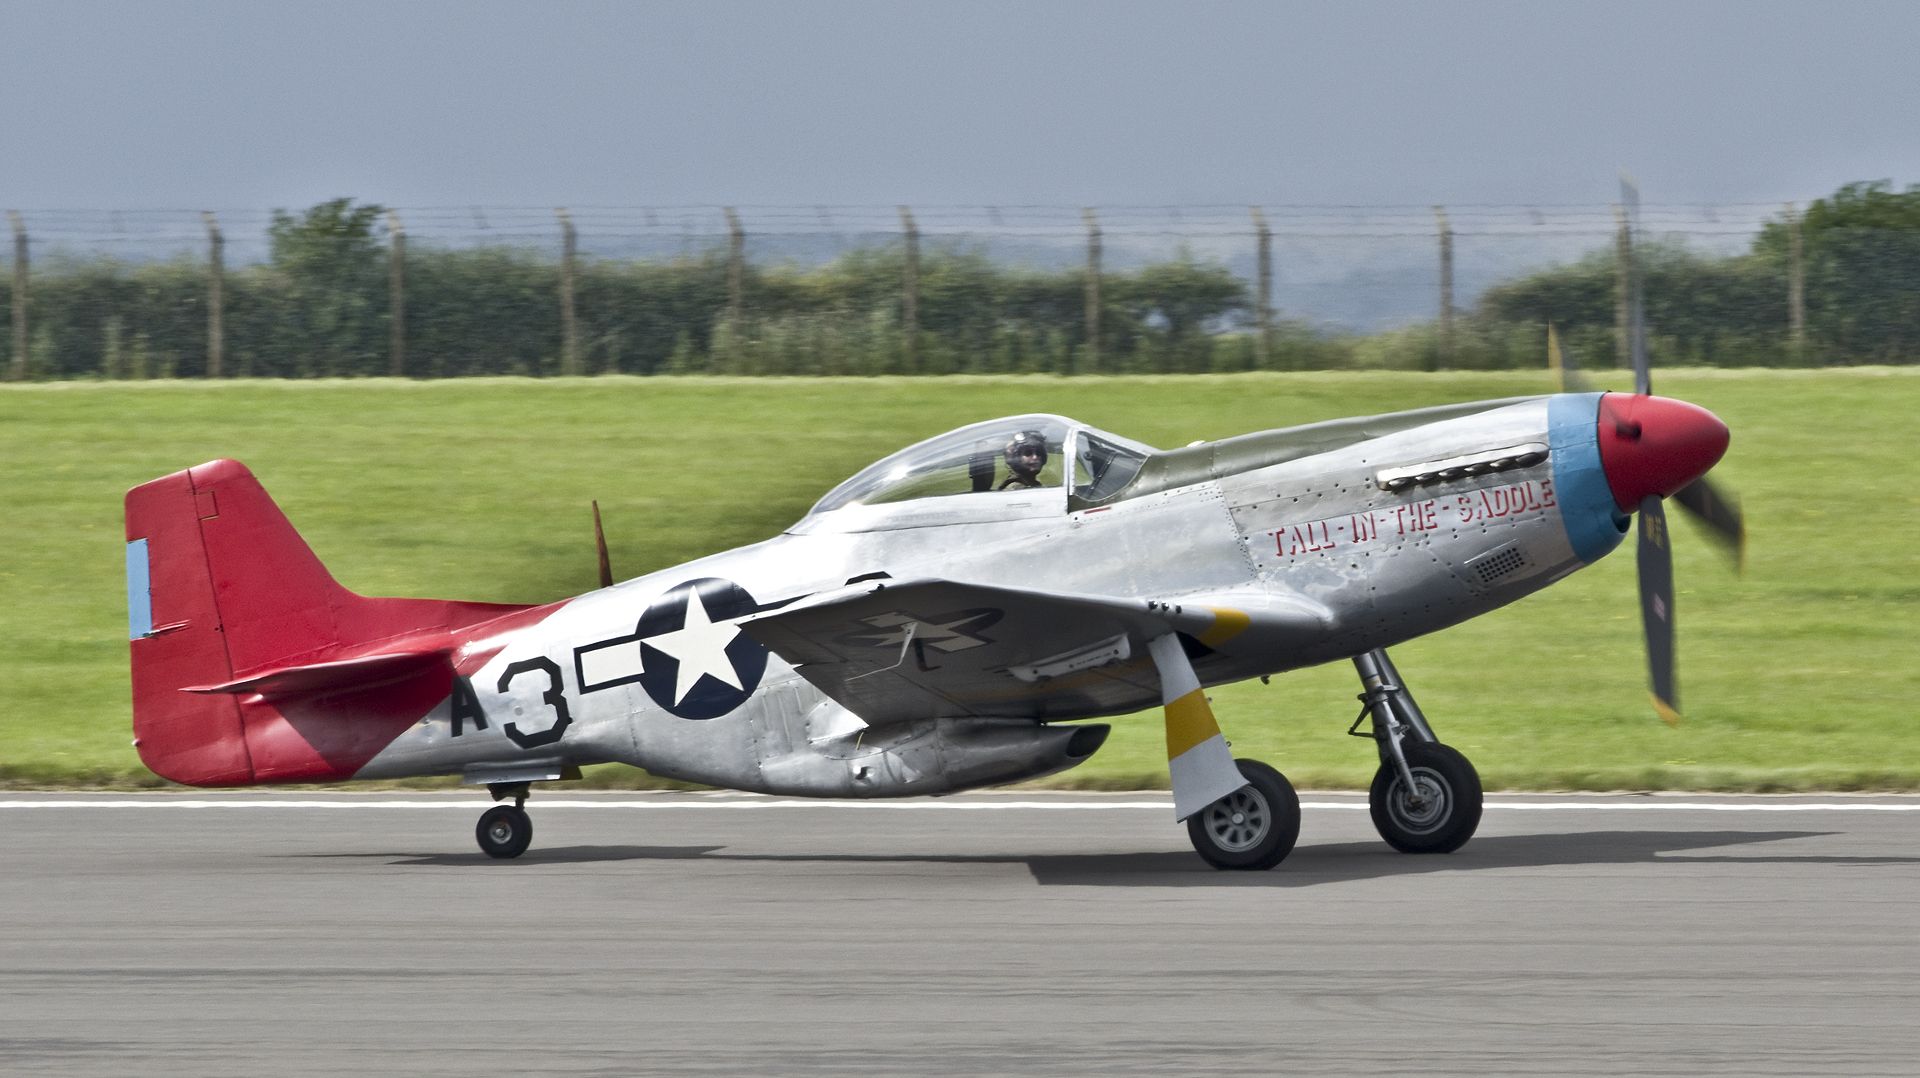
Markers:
1392,537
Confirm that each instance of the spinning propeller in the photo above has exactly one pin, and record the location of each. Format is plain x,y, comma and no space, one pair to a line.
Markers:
1653,448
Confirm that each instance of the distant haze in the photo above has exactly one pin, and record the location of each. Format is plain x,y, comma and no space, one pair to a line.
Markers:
430,104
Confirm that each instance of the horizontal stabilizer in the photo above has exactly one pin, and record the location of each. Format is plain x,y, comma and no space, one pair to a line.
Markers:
338,675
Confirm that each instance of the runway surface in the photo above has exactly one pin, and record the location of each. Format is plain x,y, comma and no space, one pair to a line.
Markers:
994,934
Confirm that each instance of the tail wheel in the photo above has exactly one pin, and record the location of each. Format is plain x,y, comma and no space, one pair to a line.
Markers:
1253,827
504,831
1442,810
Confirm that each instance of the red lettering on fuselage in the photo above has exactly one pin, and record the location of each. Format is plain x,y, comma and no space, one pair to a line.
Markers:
1308,538
1418,517
1414,520
1499,503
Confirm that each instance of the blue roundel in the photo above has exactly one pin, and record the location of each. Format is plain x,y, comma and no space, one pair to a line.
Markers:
693,664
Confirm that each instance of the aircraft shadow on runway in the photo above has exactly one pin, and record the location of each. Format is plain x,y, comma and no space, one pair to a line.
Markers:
1308,866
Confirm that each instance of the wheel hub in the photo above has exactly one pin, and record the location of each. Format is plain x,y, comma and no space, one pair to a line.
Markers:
1426,807
1238,821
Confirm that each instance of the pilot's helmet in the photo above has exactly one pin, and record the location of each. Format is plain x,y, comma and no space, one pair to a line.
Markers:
1027,453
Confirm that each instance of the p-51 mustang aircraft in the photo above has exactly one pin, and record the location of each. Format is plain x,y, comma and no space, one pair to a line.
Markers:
941,621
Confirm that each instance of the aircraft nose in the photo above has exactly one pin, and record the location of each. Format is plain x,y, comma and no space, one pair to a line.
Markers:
1655,445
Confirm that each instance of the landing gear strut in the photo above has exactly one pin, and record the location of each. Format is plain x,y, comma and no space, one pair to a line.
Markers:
1426,797
506,830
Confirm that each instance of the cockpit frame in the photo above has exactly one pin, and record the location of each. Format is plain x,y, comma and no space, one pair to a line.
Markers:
968,475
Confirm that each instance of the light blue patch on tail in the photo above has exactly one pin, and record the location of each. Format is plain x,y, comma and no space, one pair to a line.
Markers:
139,592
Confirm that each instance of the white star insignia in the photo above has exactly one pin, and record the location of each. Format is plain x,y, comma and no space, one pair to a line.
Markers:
700,647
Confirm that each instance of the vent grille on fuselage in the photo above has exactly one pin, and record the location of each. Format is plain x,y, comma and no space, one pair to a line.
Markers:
1503,562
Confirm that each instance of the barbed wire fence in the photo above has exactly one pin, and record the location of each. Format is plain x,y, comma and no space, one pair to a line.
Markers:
780,289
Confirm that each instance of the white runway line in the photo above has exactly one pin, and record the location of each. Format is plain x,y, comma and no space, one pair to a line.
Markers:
543,804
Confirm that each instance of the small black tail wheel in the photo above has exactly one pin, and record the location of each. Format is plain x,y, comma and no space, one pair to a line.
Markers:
1253,827
1440,813
504,831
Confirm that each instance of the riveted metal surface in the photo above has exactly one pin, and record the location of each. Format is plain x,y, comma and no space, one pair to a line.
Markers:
1292,535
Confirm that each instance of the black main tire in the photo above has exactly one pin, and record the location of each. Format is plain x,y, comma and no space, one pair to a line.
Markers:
504,831
1254,827
1452,800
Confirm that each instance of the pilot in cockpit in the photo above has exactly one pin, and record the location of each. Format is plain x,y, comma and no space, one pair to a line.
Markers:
1026,454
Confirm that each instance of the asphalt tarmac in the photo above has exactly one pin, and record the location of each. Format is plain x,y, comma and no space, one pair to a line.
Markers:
994,934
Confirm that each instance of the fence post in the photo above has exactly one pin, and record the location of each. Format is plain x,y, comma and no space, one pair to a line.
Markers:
1446,286
1796,286
736,268
396,296
1623,288
17,370
1263,297
910,291
736,288
216,295
569,329
1093,293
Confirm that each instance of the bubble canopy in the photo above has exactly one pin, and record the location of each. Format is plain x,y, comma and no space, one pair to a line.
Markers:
995,459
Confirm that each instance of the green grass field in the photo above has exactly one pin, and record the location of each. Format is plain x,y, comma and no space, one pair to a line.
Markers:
1801,674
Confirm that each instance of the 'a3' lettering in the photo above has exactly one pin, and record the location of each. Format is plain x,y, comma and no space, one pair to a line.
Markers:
554,696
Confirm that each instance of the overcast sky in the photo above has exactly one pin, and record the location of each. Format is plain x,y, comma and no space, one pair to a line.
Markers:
139,105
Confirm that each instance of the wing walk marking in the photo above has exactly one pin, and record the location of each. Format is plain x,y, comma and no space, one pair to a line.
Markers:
903,629
905,643
1138,665
956,630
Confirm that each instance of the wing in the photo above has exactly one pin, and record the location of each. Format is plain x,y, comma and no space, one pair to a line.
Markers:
893,651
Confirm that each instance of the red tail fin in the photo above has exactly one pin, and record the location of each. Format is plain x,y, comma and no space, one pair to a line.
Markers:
177,639
223,594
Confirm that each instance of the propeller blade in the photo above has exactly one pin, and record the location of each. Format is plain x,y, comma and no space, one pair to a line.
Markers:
1636,300
1720,514
1563,368
1642,372
1656,606
600,545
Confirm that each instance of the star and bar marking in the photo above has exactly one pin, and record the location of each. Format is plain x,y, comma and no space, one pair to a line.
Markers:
701,668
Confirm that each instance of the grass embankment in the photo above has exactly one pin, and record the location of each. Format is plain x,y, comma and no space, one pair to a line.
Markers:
1799,675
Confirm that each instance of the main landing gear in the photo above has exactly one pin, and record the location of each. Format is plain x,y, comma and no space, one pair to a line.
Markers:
506,830
1426,797
1253,827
